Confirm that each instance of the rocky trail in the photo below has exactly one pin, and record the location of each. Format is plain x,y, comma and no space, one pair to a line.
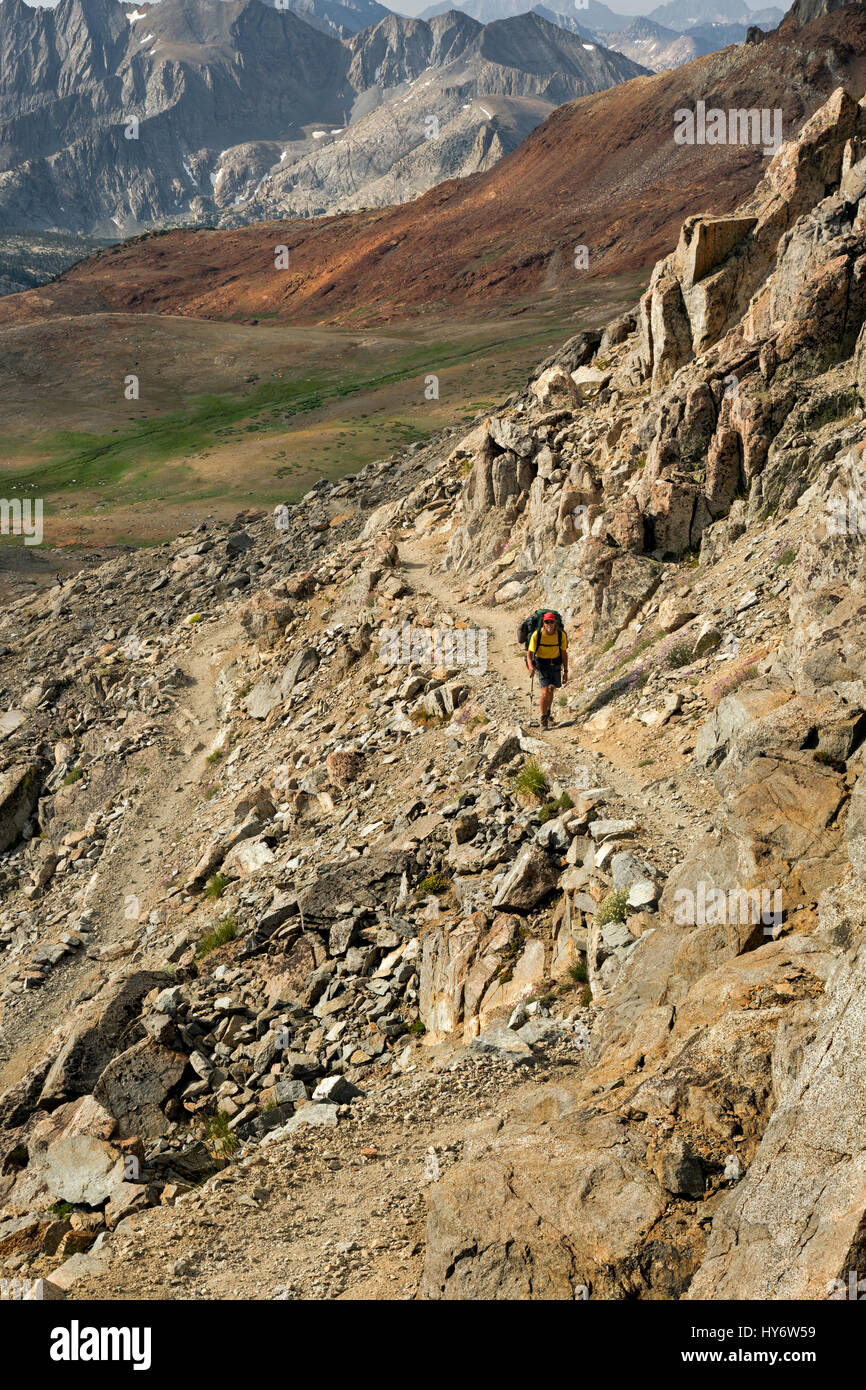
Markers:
673,809
341,1213
338,1214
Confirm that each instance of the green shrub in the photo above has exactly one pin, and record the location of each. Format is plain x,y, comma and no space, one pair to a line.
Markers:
416,1028
553,807
613,909
586,997
579,973
646,762
74,774
827,760
426,720
679,655
433,883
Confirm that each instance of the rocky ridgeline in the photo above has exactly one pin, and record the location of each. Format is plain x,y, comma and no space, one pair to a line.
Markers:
278,859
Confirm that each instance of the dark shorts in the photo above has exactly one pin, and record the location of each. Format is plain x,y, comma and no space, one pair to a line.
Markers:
549,673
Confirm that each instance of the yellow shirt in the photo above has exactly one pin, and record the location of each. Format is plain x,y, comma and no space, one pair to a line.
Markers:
547,647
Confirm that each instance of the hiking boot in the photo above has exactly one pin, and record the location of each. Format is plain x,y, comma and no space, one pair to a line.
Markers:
545,721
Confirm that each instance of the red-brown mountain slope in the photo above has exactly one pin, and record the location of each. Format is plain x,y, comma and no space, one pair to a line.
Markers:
603,171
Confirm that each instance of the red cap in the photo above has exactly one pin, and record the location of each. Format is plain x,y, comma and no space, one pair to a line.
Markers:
549,617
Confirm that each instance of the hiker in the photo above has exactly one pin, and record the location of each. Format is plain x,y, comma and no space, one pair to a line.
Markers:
547,653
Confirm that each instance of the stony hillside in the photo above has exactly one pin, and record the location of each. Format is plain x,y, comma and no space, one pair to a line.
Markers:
326,974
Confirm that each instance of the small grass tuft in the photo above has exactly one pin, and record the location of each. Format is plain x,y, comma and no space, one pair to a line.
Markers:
225,931
531,781
222,1139
216,886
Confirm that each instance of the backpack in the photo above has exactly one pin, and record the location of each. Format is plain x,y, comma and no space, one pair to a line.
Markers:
533,624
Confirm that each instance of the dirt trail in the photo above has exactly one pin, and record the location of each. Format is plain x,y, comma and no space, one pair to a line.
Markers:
612,756
170,797
330,1213
136,855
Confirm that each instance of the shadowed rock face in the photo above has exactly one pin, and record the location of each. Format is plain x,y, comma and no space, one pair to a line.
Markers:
794,1227
94,1038
804,11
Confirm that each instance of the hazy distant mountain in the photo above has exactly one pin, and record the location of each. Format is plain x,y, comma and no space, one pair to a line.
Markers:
339,17
658,48
685,14
593,15
671,35
115,118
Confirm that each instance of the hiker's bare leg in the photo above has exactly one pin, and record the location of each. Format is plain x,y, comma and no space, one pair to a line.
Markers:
546,700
